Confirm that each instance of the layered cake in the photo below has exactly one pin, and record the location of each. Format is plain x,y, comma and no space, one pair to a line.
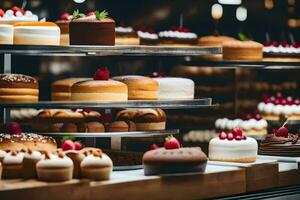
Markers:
18,88
214,40
281,49
144,119
16,14
148,37
233,147
139,87
63,24
99,89
272,108
6,34
178,37
95,29
281,143
242,50
125,35
61,89
36,33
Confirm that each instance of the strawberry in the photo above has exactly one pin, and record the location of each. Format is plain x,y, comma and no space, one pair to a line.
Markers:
171,143
13,128
1,13
222,135
78,145
230,136
87,110
15,9
68,145
238,138
153,147
90,14
102,74
65,16
282,132
237,132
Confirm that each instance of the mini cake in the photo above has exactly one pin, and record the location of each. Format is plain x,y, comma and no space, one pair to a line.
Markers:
15,14
6,34
139,87
97,166
54,168
29,163
173,159
125,35
12,165
61,89
99,89
214,40
184,89
144,119
36,33
272,108
148,37
121,126
96,29
242,50
280,143
18,88
233,147
178,37
63,24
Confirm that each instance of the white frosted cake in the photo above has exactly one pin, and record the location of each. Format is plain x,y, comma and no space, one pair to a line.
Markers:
12,16
171,88
233,147
6,34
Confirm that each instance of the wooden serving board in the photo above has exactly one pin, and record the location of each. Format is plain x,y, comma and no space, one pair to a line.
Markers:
262,174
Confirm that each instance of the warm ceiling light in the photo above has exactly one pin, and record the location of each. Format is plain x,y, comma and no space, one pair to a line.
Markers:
79,1
216,11
292,23
230,2
269,4
241,13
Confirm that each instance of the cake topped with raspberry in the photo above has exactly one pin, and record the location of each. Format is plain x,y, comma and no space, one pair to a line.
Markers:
178,36
148,36
281,48
16,14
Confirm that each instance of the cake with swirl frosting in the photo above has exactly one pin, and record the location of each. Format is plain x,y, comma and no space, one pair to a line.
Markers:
273,107
148,37
178,37
125,35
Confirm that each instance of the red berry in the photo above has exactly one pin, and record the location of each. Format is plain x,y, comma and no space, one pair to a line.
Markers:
282,132
279,96
101,74
15,9
68,145
90,14
284,44
275,44
258,117
158,74
238,137
237,132
1,13
171,143
244,137
296,102
267,101
283,102
65,16
230,136
13,128
290,100
222,135
153,147
246,117
87,110
78,145
272,99
274,131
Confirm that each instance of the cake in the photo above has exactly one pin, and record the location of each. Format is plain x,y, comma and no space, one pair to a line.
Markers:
144,119
280,143
15,14
178,37
61,89
148,37
125,35
6,34
36,33
272,108
63,24
242,50
282,49
214,40
96,29
233,147
139,87
99,89
18,88
12,165
184,89
29,162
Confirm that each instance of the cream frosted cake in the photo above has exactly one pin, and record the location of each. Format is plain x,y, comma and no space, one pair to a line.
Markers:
16,14
233,147
6,34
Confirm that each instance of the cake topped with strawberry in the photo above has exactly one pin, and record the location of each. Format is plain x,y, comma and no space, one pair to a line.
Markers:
273,107
233,146
16,14
281,48
148,36
178,36
172,158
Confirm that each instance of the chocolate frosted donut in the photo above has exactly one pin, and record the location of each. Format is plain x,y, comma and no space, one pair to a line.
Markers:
18,88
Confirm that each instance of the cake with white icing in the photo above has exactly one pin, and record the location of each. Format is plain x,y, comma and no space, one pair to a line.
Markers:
178,37
16,14
272,108
125,35
233,147
148,37
281,49
12,165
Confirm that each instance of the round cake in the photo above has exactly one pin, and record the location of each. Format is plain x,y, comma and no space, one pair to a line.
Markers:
61,89
18,88
242,50
212,40
184,89
139,87
178,37
148,37
36,33
125,35
6,34
233,147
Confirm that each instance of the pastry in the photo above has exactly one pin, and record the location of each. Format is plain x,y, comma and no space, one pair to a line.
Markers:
36,33
15,14
91,127
242,50
121,126
23,115
27,141
148,37
272,108
233,147
61,89
18,88
125,35
29,162
96,29
99,89
178,37
144,119
7,34
184,89
214,40
12,165
139,87
54,168
63,24
97,166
